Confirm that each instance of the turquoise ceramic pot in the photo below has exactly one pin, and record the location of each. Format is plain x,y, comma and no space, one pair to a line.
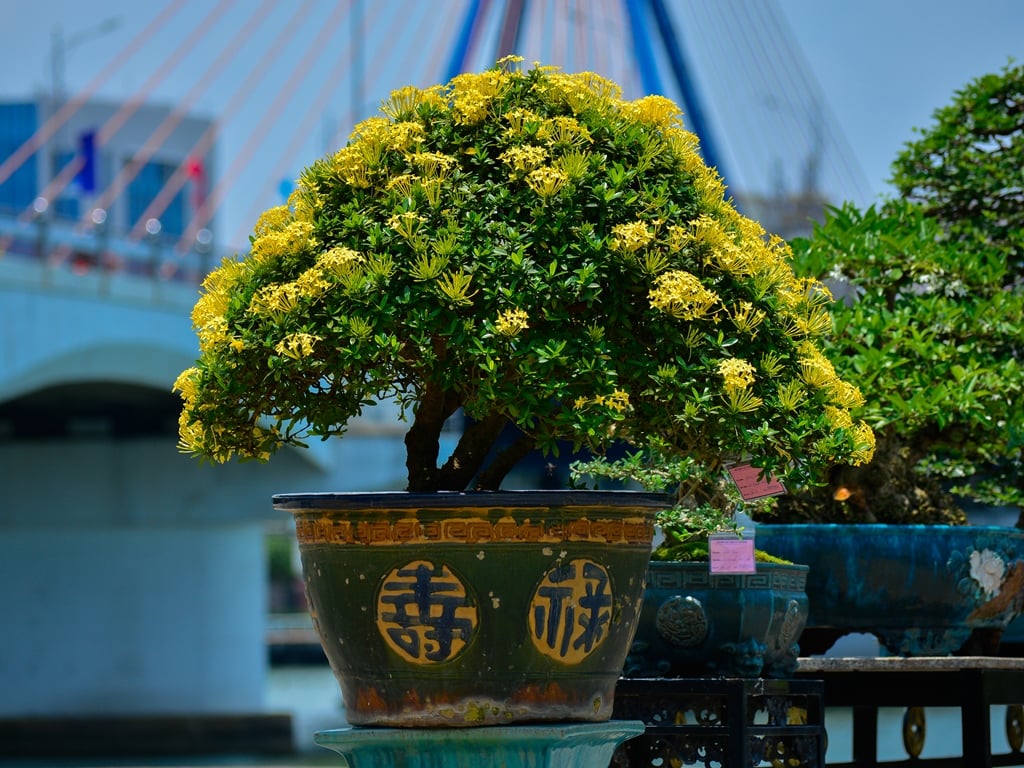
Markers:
920,589
696,623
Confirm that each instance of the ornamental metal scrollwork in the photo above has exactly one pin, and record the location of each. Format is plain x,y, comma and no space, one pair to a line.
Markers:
1015,726
913,731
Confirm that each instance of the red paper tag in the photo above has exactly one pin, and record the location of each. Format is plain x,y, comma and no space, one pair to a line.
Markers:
751,486
731,555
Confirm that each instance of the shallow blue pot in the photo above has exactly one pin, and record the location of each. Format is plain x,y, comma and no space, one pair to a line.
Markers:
920,589
696,623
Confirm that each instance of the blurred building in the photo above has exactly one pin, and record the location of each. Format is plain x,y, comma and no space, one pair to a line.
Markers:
107,186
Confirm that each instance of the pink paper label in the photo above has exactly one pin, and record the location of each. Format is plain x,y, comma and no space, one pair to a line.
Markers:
751,486
731,555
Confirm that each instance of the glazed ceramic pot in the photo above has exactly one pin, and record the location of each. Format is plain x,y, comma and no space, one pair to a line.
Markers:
461,609
920,589
696,623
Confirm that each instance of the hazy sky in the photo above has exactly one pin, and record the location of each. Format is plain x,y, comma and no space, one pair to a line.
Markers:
881,68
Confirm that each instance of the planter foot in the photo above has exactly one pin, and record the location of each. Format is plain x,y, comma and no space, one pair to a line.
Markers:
537,746
924,641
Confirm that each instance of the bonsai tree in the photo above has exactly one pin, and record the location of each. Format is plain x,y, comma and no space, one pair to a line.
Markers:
528,247
932,318
964,169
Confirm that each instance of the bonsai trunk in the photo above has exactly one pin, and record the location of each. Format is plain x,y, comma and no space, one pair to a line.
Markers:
422,445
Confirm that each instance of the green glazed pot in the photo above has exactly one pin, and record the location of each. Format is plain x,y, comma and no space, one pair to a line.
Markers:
464,609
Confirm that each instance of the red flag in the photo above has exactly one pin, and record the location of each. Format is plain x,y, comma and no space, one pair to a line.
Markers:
197,174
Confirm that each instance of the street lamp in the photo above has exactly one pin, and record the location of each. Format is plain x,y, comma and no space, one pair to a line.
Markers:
61,46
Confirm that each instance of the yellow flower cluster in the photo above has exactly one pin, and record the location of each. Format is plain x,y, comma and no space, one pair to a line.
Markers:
349,164
272,220
408,99
472,94
680,294
630,237
276,299
564,130
524,159
655,110
511,322
816,369
406,224
339,261
297,345
747,317
546,182
737,374
864,442
215,298
583,91
273,244
617,401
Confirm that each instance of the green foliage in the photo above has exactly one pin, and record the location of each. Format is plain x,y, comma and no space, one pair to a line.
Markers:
965,169
706,501
533,250
932,317
933,337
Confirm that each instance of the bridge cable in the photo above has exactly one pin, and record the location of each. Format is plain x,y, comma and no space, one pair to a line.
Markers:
210,205
134,166
206,140
48,129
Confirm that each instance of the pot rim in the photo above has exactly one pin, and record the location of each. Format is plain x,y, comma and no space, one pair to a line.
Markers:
900,529
347,500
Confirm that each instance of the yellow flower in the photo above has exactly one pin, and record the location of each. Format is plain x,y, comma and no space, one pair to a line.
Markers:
618,401
472,94
339,261
680,294
297,345
524,159
631,237
864,442
293,238
737,374
815,369
564,130
517,120
546,181
407,100
276,299
406,224
747,317
511,322
656,110
838,418
845,394
187,384
791,394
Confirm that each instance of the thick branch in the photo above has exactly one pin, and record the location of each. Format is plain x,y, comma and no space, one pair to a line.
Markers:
468,456
490,479
422,441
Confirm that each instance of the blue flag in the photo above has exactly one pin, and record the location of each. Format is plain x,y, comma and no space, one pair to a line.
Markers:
86,176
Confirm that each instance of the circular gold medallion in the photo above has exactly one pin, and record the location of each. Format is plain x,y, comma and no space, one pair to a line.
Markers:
570,611
425,613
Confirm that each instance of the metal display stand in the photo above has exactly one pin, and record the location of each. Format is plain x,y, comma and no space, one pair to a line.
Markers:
722,722
971,684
